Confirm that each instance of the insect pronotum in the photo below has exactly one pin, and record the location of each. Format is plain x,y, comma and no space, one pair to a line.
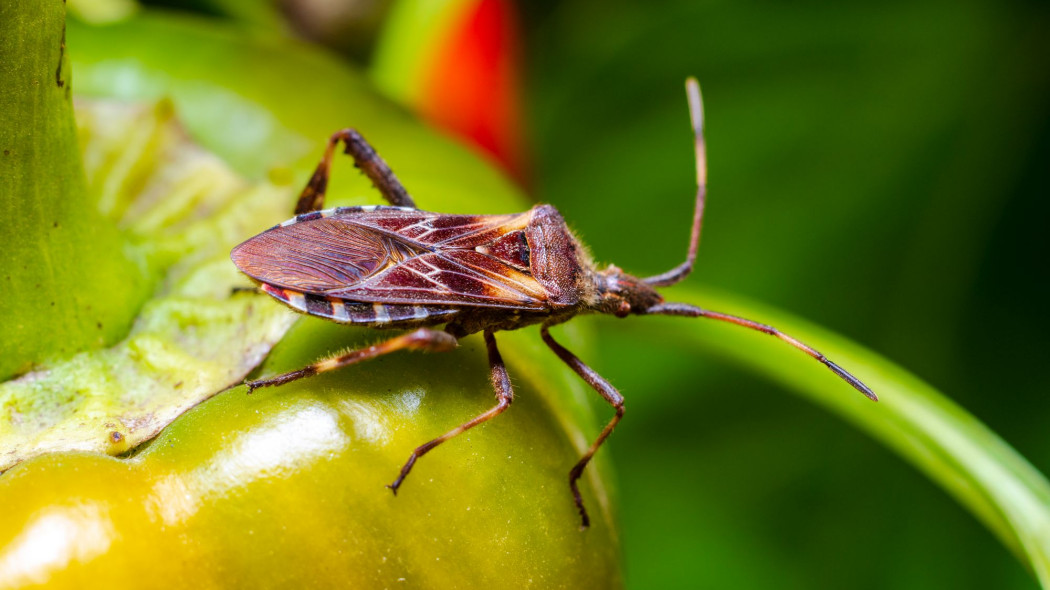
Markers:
399,267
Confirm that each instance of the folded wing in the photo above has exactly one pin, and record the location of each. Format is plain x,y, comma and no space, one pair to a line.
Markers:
370,258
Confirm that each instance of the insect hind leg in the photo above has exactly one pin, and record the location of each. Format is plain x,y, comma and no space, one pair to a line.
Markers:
607,391
504,397
421,339
367,160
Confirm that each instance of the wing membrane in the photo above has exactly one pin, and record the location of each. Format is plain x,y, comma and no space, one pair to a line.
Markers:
320,255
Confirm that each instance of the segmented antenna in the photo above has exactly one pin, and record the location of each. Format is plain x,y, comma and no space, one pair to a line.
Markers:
696,114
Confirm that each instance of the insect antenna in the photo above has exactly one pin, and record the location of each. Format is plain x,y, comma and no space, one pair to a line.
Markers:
684,309
696,114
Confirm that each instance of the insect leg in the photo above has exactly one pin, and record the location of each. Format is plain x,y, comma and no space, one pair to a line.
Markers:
504,396
365,158
696,114
421,339
607,391
684,309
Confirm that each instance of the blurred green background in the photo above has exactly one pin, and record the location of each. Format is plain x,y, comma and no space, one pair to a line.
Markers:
878,169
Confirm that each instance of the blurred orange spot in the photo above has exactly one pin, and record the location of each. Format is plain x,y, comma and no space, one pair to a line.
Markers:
472,85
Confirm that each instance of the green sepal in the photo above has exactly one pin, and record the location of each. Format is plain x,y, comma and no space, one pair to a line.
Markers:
68,280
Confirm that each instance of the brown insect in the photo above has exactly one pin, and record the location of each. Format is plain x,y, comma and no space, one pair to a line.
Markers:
399,267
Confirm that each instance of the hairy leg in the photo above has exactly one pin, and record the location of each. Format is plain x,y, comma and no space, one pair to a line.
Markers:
504,397
421,339
608,392
366,159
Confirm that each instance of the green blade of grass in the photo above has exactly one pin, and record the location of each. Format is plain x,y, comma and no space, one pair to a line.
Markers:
952,447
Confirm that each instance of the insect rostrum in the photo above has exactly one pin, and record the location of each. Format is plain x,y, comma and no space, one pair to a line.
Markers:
399,267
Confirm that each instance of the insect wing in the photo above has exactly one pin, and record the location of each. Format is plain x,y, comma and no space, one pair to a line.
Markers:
319,255
392,255
463,277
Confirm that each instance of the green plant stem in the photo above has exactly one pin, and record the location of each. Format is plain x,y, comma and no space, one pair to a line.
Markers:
66,280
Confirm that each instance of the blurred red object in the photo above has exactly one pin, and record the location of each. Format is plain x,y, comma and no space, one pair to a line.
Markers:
471,83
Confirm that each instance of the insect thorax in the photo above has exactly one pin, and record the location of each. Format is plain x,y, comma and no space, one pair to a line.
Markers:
558,260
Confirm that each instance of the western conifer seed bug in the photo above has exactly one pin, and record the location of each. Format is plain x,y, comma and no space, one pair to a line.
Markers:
398,267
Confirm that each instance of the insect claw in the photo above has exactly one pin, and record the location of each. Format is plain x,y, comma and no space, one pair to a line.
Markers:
849,378
404,471
574,475
585,520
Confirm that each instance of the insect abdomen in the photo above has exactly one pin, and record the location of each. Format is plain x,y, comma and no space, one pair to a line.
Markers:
361,313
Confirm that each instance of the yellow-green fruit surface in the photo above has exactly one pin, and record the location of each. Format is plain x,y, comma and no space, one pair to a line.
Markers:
285,487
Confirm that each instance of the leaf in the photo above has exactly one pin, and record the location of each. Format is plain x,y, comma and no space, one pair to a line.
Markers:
192,338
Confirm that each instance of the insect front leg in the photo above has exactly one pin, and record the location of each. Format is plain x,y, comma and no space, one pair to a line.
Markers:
607,391
367,160
421,339
504,397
